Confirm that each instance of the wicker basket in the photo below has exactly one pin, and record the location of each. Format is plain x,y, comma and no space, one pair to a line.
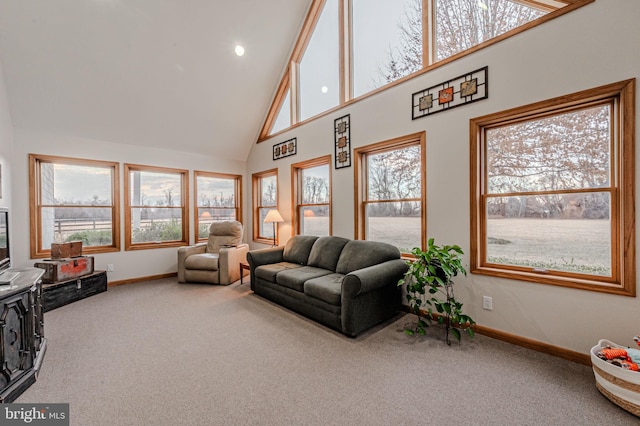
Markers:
620,386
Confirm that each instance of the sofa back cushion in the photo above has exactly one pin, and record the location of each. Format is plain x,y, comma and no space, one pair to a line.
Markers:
326,252
358,254
298,248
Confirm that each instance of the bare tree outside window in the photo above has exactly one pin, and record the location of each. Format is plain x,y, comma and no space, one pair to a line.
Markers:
549,192
458,26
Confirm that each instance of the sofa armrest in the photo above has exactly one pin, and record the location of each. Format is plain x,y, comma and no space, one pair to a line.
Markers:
373,277
229,262
266,256
183,253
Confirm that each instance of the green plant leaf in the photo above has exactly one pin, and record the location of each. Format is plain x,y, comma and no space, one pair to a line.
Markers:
456,333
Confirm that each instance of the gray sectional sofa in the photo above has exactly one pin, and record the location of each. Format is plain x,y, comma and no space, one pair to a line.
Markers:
348,285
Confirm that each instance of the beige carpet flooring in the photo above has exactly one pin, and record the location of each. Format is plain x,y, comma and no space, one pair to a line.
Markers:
163,353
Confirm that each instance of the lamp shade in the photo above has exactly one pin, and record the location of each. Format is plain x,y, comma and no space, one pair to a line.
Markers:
273,216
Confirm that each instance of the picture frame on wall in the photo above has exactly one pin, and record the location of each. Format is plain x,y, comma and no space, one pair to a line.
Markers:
285,149
462,90
342,141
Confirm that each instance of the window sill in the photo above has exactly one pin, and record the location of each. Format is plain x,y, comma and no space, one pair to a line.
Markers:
555,280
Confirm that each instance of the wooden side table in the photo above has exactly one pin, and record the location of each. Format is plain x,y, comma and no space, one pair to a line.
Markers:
245,267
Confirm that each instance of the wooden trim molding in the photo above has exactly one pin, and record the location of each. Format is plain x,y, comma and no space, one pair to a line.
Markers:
360,179
257,204
557,351
141,279
621,98
428,64
296,194
525,342
35,202
184,206
238,197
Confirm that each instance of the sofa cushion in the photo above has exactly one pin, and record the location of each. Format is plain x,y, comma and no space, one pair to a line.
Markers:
269,272
326,252
295,278
298,248
327,288
203,261
358,254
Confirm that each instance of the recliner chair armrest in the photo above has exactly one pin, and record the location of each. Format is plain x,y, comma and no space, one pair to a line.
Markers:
229,262
183,253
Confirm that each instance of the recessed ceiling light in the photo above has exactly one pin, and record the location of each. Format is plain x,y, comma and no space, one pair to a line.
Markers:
239,50
324,89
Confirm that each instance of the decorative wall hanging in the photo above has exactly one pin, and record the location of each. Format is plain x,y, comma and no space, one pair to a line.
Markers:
285,149
467,88
342,131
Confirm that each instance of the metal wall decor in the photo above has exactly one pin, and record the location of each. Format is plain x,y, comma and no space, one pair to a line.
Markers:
467,88
342,131
285,149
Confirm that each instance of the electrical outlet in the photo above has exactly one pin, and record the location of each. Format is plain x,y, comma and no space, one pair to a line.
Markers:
110,267
487,303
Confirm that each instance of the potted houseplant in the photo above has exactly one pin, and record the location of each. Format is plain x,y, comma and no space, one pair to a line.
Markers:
430,289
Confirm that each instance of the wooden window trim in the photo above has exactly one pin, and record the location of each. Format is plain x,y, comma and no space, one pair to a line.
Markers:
346,69
35,224
238,196
623,221
296,193
184,206
360,180
257,204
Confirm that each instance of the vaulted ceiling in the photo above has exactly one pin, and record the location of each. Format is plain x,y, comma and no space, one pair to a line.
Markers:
158,73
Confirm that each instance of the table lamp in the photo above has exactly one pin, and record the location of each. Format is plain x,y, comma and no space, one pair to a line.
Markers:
273,216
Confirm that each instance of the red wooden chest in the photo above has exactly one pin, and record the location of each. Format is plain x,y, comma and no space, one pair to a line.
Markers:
57,270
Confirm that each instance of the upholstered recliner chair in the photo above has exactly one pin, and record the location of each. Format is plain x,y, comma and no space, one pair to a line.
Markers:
218,260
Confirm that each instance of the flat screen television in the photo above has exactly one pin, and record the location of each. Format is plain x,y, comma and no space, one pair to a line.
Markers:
5,261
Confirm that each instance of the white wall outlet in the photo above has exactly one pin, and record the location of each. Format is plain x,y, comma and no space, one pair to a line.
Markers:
487,303
110,267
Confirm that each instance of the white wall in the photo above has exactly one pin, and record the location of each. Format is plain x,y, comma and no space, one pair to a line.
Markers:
590,47
127,264
6,145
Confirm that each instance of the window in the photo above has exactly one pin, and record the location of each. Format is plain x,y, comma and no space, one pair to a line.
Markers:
553,187
218,197
318,69
391,196
391,51
311,182
349,49
156,208
73,199
265,198
482,20
283,120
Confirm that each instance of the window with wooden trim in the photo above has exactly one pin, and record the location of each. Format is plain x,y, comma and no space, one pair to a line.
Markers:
391,196
349,49
311,189
318,70
283,119
156,208
73,199
553,191
265,198
218,197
